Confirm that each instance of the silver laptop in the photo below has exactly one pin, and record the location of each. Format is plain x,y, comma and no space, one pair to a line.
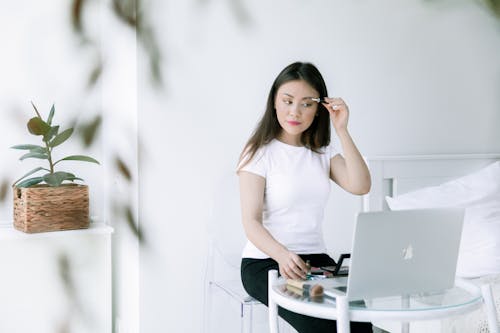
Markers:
403,252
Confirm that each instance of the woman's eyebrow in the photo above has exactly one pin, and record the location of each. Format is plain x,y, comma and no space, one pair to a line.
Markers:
303,98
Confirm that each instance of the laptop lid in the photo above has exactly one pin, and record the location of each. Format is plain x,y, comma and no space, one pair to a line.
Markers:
404,252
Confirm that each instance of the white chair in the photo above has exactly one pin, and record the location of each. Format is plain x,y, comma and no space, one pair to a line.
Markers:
226,241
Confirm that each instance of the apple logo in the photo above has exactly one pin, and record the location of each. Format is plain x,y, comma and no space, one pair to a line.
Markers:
408,252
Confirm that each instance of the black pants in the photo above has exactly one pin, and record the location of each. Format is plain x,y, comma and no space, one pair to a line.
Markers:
254,275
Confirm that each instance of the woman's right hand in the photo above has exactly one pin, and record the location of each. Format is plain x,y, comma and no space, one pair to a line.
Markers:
292,266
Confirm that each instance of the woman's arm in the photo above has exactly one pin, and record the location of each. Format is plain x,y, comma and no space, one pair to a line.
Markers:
349,171
252,201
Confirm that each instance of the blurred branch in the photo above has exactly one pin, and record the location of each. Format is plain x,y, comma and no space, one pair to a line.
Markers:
494,6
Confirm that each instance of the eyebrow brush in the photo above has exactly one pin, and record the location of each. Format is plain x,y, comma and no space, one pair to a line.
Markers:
319,100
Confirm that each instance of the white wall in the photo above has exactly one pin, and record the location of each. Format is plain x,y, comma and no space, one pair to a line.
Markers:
419,77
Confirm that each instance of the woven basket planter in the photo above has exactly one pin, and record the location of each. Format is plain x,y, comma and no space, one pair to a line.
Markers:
43,208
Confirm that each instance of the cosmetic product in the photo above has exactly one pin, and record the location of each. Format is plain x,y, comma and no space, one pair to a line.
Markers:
319,100
307,289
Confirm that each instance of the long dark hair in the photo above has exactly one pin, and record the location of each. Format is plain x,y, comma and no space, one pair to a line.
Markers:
268,128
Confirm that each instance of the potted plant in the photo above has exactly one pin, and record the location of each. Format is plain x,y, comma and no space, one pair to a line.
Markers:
51,200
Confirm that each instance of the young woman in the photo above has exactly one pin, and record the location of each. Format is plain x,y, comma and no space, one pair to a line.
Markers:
285,171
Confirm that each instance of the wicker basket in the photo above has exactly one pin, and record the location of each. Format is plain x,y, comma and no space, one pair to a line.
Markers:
43,208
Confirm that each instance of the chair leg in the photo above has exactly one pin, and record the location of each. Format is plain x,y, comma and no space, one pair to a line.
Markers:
207,307
273,307
490,308
246,318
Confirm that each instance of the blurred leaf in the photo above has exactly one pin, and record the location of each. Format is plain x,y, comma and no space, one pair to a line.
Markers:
56,178
89,131
95,74
76,15
51,115
78,158
126,10
132,224
146,37
66,276
34,155
26,147
30,173
240,11
30,181
53,131
494,6
122,167
4,189
61,137
37,126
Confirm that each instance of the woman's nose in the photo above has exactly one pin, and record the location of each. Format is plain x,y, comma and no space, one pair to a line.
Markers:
295,110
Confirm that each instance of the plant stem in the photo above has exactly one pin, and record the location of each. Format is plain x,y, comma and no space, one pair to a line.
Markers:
49,154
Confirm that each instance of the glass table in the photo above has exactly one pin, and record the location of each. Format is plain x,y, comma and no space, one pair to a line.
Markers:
464,297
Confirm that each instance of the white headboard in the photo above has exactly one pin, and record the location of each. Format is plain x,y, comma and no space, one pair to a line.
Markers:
394,175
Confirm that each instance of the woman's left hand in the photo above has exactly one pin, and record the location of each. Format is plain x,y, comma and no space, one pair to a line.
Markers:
339,112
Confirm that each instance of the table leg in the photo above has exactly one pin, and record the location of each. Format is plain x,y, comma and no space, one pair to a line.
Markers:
491,311
343,314
405,304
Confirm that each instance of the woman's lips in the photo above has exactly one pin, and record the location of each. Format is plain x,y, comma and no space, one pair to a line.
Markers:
293,123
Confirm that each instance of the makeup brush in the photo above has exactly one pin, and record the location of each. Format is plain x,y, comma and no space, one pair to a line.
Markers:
319,100
307,289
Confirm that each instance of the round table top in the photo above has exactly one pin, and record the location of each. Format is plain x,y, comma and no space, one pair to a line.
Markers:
431,305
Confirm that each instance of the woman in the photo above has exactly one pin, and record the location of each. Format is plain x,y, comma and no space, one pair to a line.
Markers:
285,171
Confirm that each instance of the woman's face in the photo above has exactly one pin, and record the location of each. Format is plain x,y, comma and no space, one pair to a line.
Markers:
295,109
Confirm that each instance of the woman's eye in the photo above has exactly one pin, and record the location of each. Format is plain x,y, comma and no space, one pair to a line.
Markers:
306,105
288,102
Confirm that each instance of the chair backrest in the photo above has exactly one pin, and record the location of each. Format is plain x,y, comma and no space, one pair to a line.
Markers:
226,234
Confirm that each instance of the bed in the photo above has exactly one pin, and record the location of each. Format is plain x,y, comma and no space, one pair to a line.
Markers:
425,180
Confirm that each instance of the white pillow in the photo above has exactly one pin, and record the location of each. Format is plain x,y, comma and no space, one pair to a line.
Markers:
479,194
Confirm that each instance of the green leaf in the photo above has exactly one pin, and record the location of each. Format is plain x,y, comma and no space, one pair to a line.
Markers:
53,132
30,181
37,126
34,155
56,178
76,178
61,137
26,147
30,173
78,158
51,115
39,150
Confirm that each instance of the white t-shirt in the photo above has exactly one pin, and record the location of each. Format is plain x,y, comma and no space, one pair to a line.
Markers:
296,192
